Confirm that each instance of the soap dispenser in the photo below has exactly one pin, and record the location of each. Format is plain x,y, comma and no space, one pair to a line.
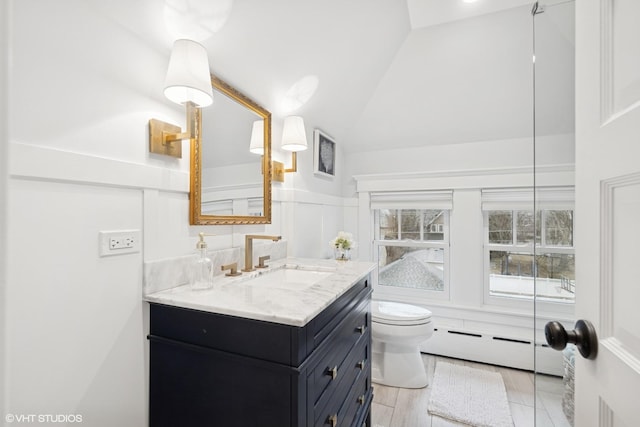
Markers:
202,268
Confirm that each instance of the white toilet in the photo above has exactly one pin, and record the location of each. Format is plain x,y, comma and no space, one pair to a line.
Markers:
397,330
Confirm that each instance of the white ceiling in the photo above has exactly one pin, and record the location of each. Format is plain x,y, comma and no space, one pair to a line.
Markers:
388,72
424,13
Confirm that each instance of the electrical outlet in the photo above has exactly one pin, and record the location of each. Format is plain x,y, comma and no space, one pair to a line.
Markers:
129,242
119,242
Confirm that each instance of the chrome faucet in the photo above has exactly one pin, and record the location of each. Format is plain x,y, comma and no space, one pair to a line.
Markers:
248,248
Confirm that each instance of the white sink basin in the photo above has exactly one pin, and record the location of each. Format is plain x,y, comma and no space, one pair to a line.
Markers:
287,278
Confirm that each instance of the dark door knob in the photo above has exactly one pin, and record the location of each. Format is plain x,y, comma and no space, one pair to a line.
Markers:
583,336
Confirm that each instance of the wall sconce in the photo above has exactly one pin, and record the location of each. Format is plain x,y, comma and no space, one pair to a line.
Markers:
294,139
256,146
188,83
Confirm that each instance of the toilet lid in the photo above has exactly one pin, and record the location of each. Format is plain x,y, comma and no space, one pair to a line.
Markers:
395,313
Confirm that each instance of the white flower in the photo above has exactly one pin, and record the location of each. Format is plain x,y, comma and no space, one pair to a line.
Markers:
343,240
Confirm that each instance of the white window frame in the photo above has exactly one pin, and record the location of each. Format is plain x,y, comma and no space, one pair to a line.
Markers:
528,248
410,293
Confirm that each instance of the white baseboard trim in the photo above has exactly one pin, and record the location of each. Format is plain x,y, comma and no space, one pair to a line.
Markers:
496,350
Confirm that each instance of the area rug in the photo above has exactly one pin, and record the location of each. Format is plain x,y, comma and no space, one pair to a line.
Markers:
470,396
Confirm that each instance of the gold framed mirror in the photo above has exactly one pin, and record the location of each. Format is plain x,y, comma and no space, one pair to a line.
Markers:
229,184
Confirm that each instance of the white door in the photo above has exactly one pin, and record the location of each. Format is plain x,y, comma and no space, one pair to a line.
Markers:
608,209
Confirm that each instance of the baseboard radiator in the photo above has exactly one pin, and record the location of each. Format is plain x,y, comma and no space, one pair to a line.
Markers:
494,349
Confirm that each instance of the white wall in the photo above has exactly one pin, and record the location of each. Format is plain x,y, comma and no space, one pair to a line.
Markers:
557,149
76,329
305,179
5,44
312,205
311,220
82,91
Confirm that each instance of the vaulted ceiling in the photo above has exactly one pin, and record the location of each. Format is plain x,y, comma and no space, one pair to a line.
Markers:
371,73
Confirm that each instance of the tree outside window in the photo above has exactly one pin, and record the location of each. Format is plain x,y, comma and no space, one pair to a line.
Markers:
514,260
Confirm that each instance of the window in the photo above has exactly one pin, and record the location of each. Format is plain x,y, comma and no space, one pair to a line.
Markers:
522,245
410,253
411,241
217,207
255,206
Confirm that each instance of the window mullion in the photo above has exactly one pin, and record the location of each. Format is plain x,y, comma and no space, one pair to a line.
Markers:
543,239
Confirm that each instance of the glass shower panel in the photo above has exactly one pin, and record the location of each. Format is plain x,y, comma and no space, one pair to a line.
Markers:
554,251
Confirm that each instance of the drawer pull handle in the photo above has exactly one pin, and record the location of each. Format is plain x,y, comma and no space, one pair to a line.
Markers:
361,329
362,364
333,372
333,420
361,400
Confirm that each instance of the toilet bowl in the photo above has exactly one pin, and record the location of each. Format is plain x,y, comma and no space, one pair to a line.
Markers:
397,330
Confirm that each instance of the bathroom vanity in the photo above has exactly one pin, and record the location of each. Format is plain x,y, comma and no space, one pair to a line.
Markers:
287,347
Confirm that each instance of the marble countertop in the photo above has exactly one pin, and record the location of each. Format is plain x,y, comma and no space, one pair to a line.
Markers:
255,296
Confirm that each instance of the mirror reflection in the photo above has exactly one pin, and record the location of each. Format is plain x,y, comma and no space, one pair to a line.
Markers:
228,185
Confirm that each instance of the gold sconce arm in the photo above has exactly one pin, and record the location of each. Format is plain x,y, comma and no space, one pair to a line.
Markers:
166,139
294,163
279,170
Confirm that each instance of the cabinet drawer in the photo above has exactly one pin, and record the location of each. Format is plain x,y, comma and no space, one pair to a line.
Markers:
253,338
289,345
343,412
320,327
357,402
355,366
329,371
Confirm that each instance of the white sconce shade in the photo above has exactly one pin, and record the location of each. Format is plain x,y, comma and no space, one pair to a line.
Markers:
294,137
257,137
188,83
188,77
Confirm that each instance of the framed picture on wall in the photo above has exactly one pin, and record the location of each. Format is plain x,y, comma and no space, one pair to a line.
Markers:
324,158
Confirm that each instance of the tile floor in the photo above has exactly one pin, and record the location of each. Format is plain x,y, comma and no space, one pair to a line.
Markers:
396,407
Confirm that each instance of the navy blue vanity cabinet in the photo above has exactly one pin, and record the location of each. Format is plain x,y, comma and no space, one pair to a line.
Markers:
209,369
